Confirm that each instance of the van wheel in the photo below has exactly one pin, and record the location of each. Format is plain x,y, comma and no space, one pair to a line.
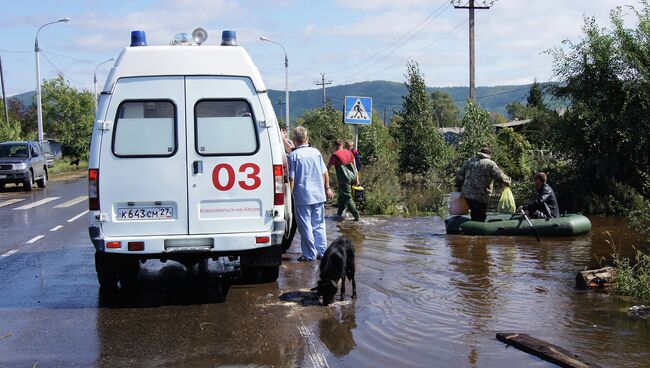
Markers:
288,238
128,274
28,184
42,182
261,274
106,268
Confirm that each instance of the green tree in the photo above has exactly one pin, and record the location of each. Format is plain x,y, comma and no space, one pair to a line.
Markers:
536,97
516,110
606,79
68,115
422,147
9,131
376,144
445,110
477,131
325,124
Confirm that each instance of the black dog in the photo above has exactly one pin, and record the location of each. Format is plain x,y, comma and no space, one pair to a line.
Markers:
74,163
337,263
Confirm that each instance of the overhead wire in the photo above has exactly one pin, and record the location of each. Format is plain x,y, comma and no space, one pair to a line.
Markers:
426,21
412,54
59,70
15,51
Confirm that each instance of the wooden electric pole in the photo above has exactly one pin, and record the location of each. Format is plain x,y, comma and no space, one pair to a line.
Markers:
323,83
472,61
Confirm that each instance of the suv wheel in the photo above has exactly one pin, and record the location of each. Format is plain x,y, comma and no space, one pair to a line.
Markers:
28,184
42,182
260,274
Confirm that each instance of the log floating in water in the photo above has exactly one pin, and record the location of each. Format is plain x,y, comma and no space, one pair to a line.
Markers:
596,278
549,352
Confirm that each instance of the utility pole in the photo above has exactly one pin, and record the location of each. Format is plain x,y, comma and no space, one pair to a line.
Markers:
4,95
472,62
281,103
323,83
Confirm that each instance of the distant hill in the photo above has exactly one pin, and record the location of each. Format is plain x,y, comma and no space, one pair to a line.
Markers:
387,96
25,98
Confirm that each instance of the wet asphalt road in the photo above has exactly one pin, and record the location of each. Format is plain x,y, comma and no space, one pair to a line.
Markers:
53,314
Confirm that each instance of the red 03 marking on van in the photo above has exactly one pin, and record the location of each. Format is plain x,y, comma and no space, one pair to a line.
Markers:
252,180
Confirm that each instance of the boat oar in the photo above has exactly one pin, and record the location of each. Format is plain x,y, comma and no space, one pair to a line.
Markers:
531,225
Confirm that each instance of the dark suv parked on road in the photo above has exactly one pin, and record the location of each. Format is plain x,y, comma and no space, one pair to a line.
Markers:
22,162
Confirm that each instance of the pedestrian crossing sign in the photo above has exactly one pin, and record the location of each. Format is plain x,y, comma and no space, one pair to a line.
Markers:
358,110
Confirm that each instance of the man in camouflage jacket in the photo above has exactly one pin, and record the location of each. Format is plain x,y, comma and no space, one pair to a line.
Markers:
474,180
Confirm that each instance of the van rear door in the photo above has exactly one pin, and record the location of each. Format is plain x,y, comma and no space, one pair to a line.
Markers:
143,173
230,169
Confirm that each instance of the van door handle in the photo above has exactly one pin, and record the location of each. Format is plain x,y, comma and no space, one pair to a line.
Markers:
197,167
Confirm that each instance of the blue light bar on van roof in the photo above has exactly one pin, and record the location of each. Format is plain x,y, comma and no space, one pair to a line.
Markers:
138,38
228,38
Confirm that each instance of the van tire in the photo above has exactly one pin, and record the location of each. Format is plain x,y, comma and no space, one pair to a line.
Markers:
288,239
106,268
129,268
42,182
28,184
260,274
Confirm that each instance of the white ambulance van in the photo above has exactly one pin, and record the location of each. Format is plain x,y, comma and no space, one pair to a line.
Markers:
187,163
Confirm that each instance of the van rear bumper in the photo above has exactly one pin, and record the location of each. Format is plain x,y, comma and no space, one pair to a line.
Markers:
222,244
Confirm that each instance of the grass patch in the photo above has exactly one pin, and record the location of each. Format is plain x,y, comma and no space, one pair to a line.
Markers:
63,166
632,275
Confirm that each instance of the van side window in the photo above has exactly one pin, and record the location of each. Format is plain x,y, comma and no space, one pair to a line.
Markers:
225,127
145,129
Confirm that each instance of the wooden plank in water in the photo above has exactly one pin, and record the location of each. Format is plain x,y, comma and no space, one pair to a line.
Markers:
549,352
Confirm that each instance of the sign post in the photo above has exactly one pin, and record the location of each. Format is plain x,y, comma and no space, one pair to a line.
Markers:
357,111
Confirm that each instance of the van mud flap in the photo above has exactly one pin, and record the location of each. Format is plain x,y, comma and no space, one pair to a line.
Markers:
263,257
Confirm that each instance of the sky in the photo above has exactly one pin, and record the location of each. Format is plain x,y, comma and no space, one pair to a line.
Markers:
350,41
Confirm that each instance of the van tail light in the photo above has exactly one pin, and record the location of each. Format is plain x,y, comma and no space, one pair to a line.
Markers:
278,176
93,189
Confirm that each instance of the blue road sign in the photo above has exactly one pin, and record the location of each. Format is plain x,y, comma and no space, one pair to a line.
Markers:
358,110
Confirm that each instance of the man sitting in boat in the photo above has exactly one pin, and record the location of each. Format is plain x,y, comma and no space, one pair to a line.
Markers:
544,206
474,180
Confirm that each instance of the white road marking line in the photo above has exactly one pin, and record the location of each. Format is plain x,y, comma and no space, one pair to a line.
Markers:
37,203
72,202
79,215
11,201
56,228
9,253
35,239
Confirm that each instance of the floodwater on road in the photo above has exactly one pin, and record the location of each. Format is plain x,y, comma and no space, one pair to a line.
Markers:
425,299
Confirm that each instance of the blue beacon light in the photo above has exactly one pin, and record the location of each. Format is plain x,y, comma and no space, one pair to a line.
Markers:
228,38
138,38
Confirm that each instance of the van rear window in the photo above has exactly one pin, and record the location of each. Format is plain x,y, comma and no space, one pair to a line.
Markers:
225,127
145,129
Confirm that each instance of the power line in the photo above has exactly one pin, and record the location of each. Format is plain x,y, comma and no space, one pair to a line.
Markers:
59,70
420,25
15,51
413,54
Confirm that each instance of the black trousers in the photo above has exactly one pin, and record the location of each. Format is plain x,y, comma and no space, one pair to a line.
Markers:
477,210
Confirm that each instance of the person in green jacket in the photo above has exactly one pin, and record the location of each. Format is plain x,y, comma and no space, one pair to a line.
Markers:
474,180
346,175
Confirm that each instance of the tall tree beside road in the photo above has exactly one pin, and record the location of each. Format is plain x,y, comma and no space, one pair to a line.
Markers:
478,132
9,131
422,147
68,115
606,78
445,110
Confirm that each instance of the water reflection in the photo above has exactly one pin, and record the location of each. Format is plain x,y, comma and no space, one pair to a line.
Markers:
335,330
